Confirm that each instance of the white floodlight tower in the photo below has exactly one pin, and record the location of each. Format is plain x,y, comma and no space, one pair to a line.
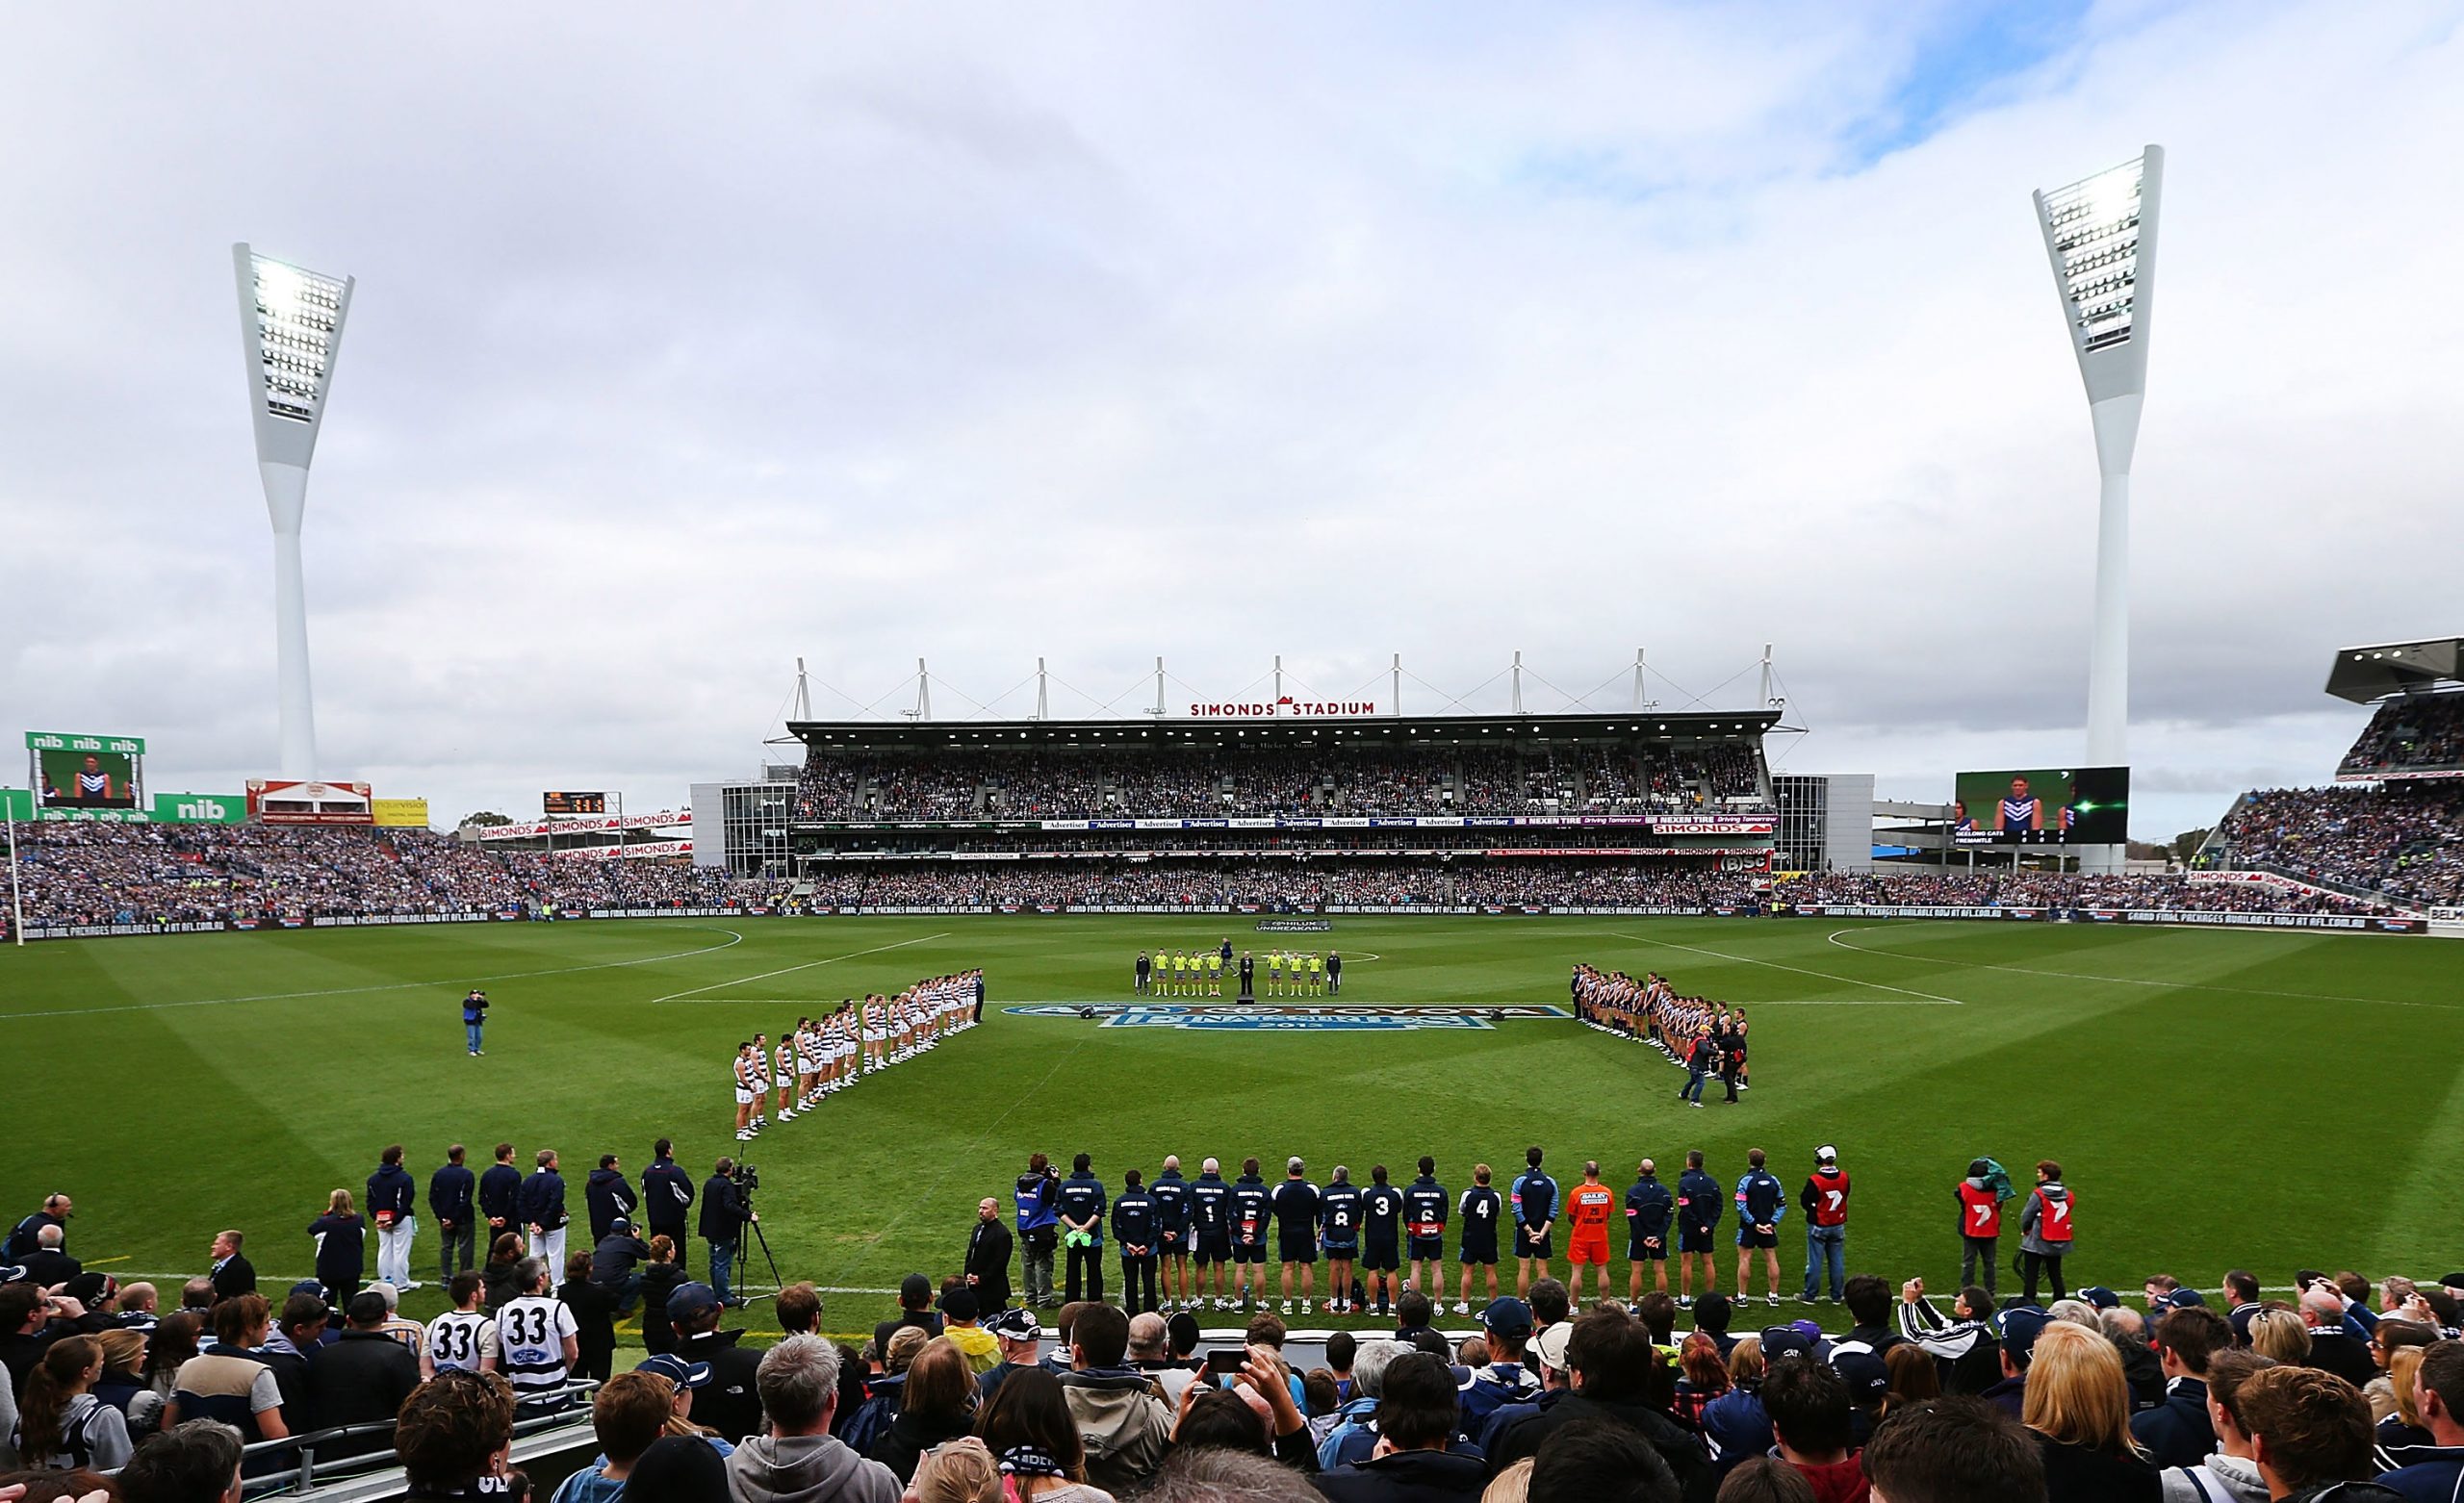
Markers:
2101,235
290,326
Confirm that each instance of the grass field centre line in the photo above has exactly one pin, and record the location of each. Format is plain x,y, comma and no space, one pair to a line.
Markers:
1921,997
734,939
790,970
1834,938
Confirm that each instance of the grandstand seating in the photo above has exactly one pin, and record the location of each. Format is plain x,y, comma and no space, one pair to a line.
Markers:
1434,780
2409,734
2402,841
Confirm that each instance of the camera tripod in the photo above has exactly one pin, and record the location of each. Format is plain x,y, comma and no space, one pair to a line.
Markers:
744,1258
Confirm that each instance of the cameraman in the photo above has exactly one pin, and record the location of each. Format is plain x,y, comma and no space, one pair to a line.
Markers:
1039,1206
725,1211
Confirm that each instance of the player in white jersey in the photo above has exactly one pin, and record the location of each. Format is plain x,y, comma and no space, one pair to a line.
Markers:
783,1076
748,1083
876,1032
464,1338
537,1339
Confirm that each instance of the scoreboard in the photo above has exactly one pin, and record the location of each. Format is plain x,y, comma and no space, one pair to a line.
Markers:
555,802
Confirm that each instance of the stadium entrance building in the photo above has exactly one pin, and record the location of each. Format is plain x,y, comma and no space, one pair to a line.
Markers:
1260,808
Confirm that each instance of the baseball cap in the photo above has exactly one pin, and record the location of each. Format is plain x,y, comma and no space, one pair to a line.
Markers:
1868,1378
2020,1326
620,1224
391,1296
1015,1325
690,1300
1780,1341
2102,1298
915,1289
91,1289
1551,1345
959,1304
1507,1316
676,1369
1826,1153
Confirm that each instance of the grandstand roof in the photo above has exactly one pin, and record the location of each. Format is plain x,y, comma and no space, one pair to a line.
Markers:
2363,675
1282,730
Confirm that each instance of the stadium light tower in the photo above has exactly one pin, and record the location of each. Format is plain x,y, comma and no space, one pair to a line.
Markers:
2100,232
290,326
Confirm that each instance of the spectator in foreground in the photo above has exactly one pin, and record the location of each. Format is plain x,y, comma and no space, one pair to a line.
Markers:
629,1415
2310,1437
796,1459
961,1471
195,1463
2177,1433
1019,1334
1953,1450
453,1438
1028,1428
1600,1461
59,1421
678,1469
2230,1475
731,1405
939,1405
364,1376
1416,1418
226,1385
1216,1474
1610,1362
1766,1479
1810,1414
1118,1412
2435,1470
2079,1407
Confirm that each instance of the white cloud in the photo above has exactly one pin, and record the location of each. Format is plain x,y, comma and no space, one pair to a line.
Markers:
1213,332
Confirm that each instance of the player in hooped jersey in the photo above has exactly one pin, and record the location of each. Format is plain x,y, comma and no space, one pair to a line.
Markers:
1479,1211
748,1082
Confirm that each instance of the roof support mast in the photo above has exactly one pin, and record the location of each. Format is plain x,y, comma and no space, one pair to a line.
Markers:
1394,699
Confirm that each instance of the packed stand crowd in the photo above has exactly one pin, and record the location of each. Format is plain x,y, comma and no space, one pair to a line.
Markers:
2414,732
80,874
2404,841
1551,880
2163,892
2351,1391
962,786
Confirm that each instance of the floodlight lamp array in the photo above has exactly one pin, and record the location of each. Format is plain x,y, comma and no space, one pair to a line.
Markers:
2095,225
299,312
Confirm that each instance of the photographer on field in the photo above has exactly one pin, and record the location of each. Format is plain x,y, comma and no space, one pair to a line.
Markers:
1038,1197
725,1211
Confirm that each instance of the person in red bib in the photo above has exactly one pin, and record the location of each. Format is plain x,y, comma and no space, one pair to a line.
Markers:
2045,1230
1588,1207
1980,1205
1824,1199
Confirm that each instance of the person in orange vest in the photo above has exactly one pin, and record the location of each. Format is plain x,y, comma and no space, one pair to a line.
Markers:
1980,1223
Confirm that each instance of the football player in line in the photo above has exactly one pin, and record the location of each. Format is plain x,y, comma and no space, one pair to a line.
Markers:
818,1056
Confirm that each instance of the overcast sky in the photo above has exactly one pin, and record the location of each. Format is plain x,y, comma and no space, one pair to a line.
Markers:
688,340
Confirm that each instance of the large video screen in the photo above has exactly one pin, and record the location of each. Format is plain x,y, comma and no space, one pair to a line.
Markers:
2043,806
81,772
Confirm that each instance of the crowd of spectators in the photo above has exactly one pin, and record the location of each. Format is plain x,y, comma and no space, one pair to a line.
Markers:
2403,841
2352,1390
2411,734
83,874
1189,782
2166,891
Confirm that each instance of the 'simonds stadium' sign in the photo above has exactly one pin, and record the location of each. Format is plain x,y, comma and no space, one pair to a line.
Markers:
665,819
1286,708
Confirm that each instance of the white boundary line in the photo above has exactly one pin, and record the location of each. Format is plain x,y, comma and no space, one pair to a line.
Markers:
734,939
1832,938
791,969
1922,997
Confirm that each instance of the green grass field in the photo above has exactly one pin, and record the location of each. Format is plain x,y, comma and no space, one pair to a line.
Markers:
2217,1099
